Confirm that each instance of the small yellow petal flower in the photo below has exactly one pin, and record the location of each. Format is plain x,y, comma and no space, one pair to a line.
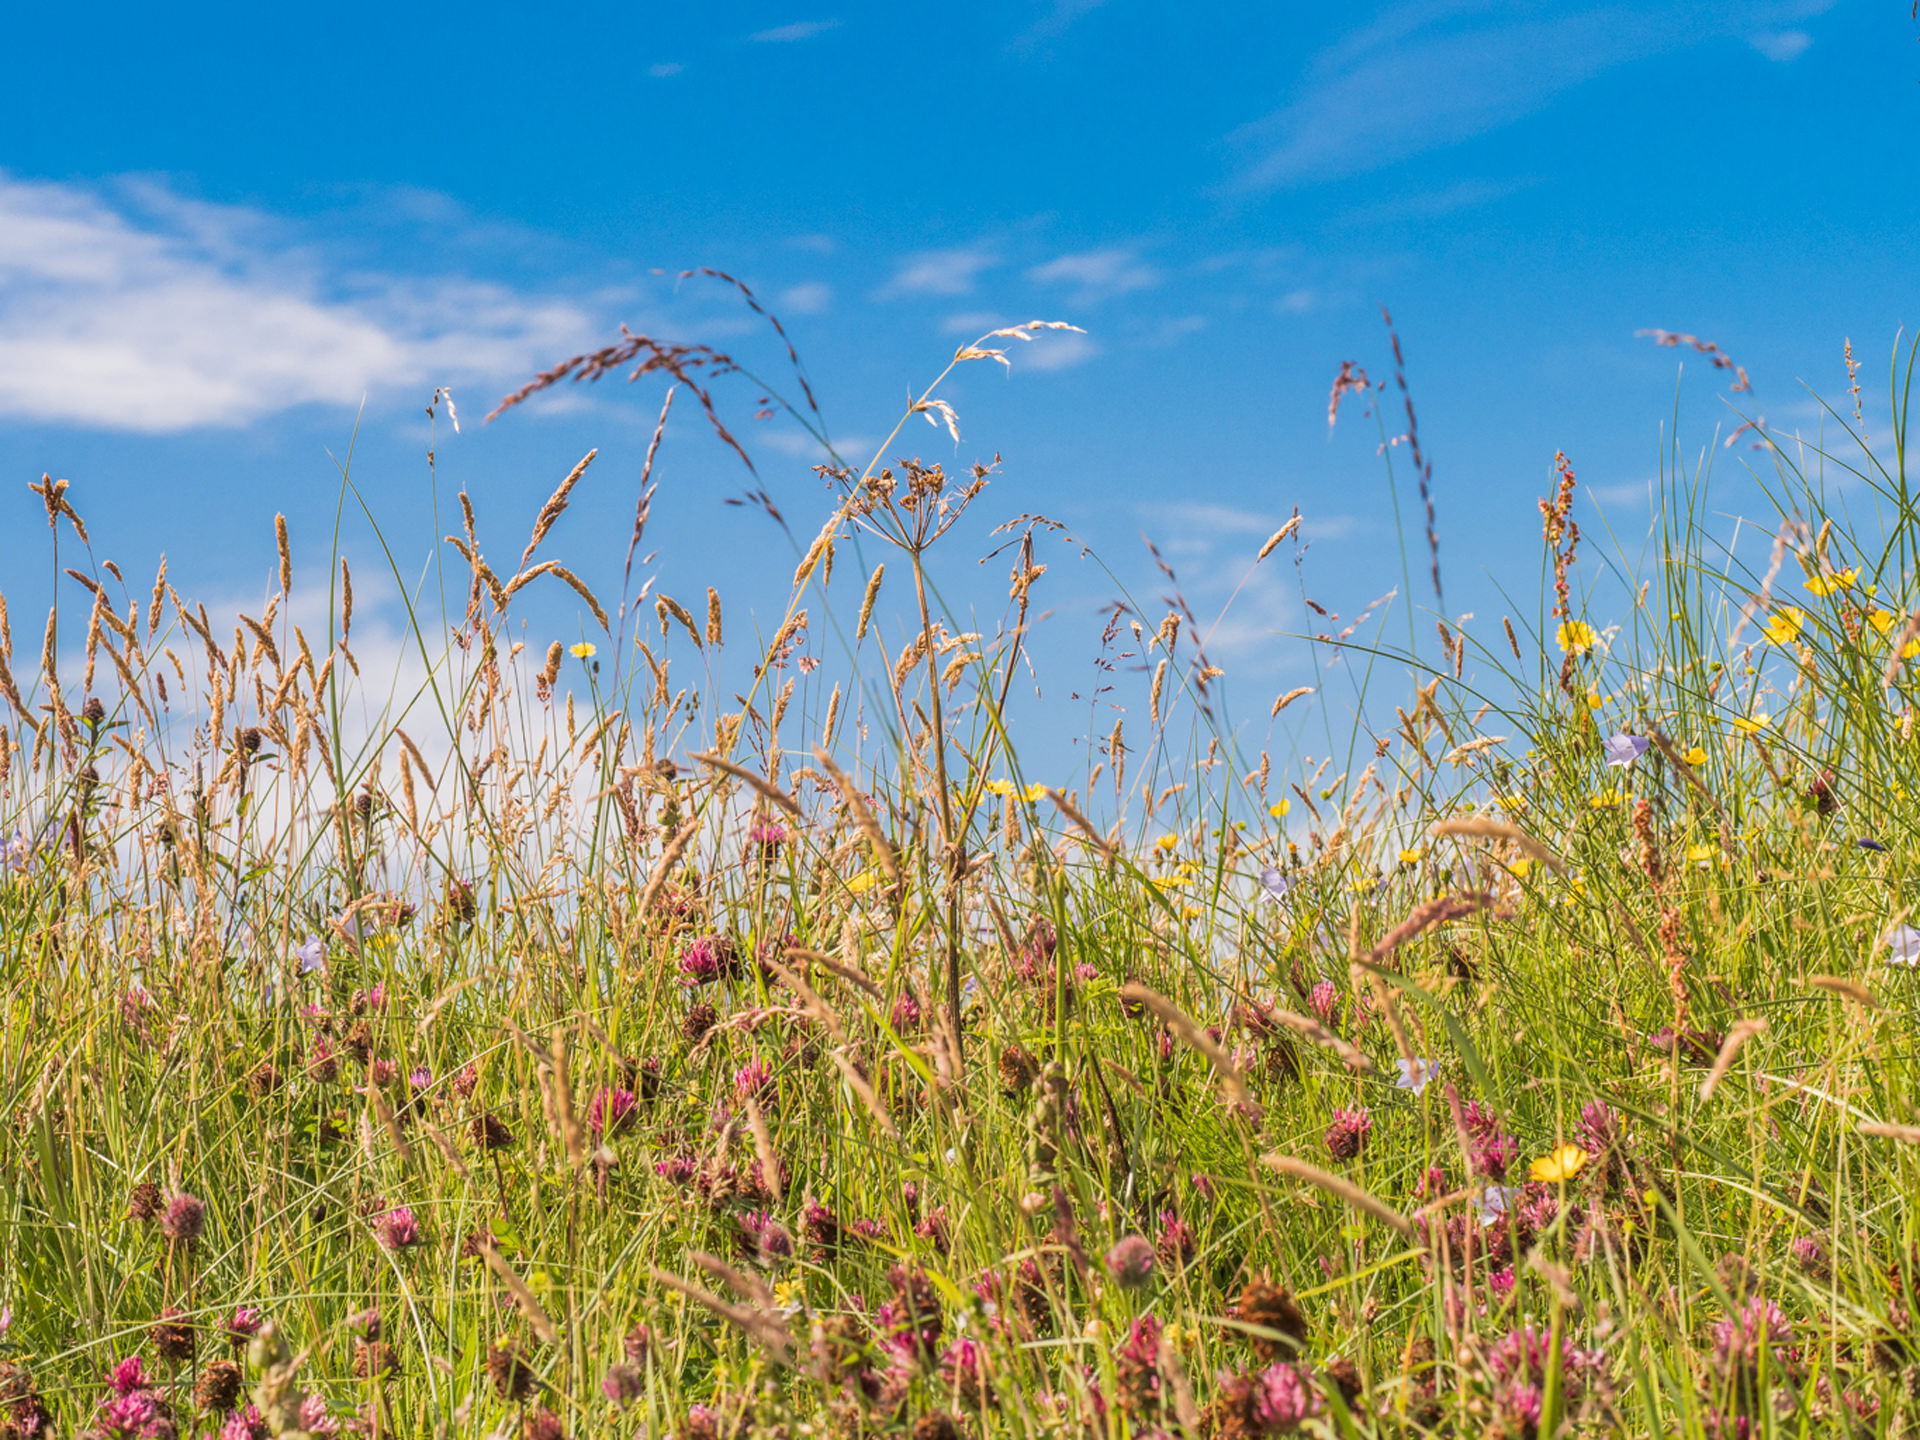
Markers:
1520,869
860,884
1278,810
1702,855
1606,800
1409,857
999,787
1167,842
1832,583
1595,700
1752,725
1576,637
583,651
1034,793
1881,620
1696,756
1561,1163
1783,626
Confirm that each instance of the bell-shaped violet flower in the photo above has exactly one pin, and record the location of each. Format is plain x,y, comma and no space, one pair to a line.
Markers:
1624,749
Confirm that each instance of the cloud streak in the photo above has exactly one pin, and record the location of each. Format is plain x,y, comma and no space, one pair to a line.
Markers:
1436,72
138,311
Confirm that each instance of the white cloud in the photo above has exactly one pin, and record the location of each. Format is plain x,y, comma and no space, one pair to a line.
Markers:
854,449
141,311
973,322
1054,350
1098,274
1296,302
1057,21
1784,46
939,272
1431,204
812,298
665,70
814,244
1430,73
790,34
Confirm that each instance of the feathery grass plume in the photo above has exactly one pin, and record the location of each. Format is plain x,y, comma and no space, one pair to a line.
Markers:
1101,844
1846,989
833,715
1190,1034
530,1306
866,602
1309,1029
1343,1189
666,605
1888,1130
1153,697
1741,1032
1286,699
1485,828
1273,540
346,601
753,1321
713,616
556,506
670,855
759,784
883,852
286,553
579,587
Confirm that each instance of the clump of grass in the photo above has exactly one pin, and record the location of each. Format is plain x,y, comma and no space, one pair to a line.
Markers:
567,1052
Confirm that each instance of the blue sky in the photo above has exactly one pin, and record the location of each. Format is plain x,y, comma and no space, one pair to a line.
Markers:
228,236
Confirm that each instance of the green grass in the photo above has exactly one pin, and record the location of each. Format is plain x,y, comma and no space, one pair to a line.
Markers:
511,896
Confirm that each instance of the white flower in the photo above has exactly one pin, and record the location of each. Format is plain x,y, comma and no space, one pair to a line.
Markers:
1416,1075
1903,945
1494,1200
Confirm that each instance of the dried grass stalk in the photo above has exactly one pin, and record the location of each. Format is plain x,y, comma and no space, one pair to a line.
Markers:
552,510
1273,540
1484,828
1847,989
760,784
1741,1032
1313,1030
663,867
862,817
1344,1189
1286,699
530,1305
1193,1035
1083,825
858,1084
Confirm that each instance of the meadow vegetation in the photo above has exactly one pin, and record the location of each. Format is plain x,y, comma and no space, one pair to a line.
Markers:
583,1048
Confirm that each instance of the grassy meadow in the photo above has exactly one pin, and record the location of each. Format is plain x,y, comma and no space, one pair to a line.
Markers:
577,1051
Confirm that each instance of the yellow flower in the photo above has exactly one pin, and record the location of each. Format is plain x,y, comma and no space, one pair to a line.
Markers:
1595,700
1167,842
1881,620
1576,637
860,884
1752,725
1563,1162
583,651
1696,756
1702,855
1006,787
1172,882
1783,626
1278,810
1830,583
1410,857
1510,803
1520,869
1191,912
1606,800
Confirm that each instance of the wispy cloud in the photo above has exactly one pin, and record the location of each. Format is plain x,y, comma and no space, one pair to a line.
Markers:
1432,204
1054,350
939,272
812,298
1056,22
1435,72
1784,46
138,311
792,34
1098,274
